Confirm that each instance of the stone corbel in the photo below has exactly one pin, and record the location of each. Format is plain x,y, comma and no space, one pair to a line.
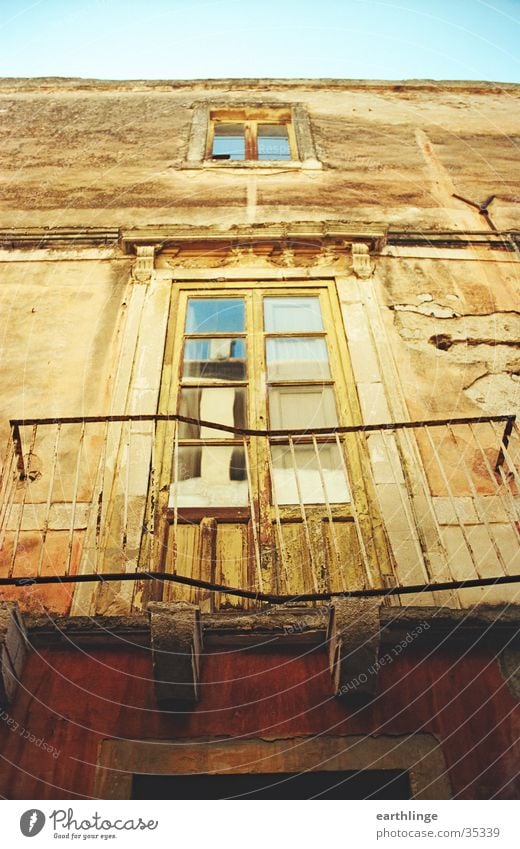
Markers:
361,265
176,638
354,636
13,651
144,263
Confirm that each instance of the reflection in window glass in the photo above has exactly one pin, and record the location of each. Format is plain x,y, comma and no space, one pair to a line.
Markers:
210,476
215,315
303,472
298,407
221,405
273,142
214,359
292,315
297,359
229,142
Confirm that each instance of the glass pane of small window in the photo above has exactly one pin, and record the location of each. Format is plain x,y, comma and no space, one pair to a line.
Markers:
299,407
273,142
297,359
213,360
292,315
220,405
301,475
210,476
215,315
229,142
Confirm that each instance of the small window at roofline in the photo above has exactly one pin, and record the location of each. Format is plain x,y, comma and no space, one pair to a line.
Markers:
245,134
250,140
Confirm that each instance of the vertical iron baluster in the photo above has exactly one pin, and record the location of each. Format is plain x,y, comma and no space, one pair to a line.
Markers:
48,504
75,499
304,517
332,526
277,516
502,491
481,514
452,499
253,516
357,524
24,497
7,487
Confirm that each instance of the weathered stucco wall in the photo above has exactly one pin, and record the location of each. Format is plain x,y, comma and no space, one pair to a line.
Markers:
92,152
60,318
454,321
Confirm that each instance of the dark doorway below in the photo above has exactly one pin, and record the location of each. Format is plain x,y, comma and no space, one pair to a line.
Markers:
373,784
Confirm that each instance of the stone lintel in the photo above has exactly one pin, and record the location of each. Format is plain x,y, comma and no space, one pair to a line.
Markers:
354,636
176,640
13,650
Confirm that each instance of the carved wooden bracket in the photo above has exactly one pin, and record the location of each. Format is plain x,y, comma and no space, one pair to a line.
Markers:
354,636
13,651
361,264
144,263
176,638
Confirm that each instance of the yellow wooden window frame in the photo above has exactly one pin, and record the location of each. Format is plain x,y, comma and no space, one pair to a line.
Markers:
250,120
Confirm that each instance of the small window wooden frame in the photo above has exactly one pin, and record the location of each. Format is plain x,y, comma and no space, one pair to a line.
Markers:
295,117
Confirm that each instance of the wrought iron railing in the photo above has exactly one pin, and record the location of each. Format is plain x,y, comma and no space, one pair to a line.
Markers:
86,496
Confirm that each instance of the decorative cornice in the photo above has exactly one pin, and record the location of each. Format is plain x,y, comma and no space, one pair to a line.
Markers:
296,233
320,234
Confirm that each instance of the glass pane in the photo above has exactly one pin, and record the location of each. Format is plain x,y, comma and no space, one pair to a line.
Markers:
273,142
297,359
303,473
214,360
221,405
282,315
210,475
299,407
215,315
228,142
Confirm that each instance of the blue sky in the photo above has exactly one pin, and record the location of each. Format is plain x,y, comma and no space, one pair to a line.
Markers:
185,39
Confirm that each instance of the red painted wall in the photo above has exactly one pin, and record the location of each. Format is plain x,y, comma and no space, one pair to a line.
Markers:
72,699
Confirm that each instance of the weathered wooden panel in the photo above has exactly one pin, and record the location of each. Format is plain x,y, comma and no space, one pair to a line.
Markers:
233,560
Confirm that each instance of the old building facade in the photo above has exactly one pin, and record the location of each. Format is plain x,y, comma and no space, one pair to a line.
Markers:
259,377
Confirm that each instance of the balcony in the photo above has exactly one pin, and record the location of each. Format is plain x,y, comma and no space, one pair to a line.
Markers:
102,514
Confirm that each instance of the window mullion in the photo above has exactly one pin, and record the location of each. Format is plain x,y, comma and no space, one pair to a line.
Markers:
250,128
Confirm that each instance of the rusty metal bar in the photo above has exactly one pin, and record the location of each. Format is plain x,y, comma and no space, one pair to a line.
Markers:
271,433
508,459
257,596
505,441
